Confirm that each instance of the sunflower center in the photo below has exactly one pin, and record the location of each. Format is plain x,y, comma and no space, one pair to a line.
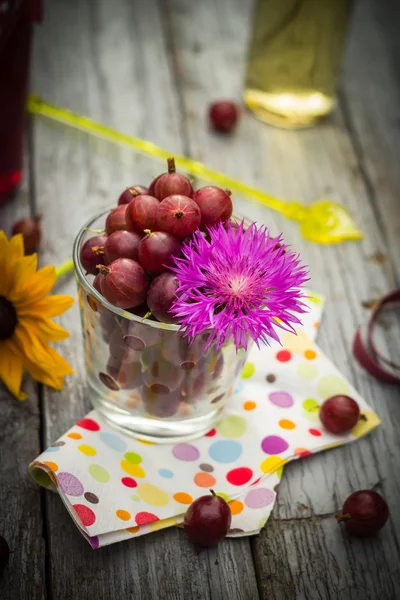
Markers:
8,318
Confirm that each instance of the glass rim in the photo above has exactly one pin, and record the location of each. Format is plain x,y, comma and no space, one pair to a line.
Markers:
98,297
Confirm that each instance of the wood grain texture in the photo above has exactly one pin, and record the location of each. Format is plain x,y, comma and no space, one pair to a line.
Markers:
20,499
103,66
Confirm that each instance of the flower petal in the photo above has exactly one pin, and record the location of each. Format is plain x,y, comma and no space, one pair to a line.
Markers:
46,377
16,246
52,306
35,288
11,370
44,329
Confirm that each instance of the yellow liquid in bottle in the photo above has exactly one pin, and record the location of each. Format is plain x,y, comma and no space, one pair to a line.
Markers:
294,60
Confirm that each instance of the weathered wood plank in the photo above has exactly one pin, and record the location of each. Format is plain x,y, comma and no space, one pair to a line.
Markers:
96,58
20,499
309,164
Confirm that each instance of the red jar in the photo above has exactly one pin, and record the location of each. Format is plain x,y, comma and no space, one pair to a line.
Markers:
16,18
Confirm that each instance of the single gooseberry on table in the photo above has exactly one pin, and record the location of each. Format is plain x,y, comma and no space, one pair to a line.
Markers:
157,251
178,215
365,512
170,183
124,283
131,192
215,205
339,414
116,219
207,520
31,232
223,115
141,213
89,254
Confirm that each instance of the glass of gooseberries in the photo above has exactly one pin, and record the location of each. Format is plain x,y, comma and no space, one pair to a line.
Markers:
143,375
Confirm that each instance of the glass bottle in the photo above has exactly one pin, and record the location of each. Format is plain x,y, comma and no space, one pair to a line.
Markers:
294,59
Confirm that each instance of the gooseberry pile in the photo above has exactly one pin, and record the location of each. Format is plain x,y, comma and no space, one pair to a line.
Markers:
129,263
142,236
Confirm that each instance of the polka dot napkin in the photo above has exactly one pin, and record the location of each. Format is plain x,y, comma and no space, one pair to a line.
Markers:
116,487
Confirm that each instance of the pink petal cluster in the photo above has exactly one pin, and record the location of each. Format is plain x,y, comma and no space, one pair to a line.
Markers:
240,283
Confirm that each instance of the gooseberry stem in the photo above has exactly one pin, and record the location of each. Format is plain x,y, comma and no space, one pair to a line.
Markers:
95,230
171,165
64,268
340,518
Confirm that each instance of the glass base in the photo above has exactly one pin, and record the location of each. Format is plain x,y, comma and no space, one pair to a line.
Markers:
289,110
161,431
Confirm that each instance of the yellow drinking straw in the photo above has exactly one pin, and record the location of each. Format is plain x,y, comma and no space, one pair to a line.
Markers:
323,222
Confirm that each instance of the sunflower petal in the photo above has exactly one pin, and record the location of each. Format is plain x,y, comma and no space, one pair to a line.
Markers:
52,306
6,265
36,288
45,377
39,352
11,371
45,329
16,245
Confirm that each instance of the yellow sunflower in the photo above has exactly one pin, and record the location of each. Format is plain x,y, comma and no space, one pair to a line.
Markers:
25,319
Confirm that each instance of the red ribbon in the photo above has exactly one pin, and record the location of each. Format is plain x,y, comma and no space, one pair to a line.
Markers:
368,354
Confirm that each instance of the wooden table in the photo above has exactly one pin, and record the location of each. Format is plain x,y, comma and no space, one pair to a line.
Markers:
150,69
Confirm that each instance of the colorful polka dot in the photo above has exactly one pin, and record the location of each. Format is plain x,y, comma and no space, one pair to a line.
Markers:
225,451
206,467
165,473
94,542
232,427
89,424
310,405
286,424
53,449
279,472
70,484
248,370
239,388
310,354
331,385
152,495
157,525
224,496
111,440
52,465
85,514
259,497
307,371
142,518
236,507
273,444
270,378
133,529
249,405
135,498
204,480
211,433
281,399
87,450
75,436
133,458
133,470
124,515
364,425
183,498
315,432
262,522
145,442
301,452
185,452
316,324
129,482
99,473
239,476
283,356
92,498
270,464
